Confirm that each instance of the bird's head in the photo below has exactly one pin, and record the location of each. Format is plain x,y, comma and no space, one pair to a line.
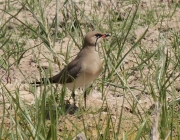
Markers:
92,38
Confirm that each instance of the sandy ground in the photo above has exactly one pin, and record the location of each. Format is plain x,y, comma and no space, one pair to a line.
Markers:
27,71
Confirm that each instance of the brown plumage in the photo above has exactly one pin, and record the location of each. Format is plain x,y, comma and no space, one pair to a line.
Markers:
85,68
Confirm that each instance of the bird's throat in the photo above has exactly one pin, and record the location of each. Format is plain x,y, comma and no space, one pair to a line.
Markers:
96,44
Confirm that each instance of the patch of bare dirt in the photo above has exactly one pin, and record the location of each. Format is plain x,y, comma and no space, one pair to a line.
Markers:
27,70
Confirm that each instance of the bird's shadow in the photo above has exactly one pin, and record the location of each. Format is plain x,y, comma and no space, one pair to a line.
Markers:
67,108
71,108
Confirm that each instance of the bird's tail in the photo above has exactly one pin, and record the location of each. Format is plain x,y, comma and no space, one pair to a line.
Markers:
39,82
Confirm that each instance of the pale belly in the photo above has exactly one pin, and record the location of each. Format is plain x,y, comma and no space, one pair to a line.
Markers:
85,79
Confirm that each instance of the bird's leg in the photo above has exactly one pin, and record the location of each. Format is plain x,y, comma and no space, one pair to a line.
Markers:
73,96
85,98
87,90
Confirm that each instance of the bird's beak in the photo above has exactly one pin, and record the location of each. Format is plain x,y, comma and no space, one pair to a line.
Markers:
105,35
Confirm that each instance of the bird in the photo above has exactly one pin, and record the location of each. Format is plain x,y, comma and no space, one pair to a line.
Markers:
83,69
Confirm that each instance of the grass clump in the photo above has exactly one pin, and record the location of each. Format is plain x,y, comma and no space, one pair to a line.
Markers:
137,93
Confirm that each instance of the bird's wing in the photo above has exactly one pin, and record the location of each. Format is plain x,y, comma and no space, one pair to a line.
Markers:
68,74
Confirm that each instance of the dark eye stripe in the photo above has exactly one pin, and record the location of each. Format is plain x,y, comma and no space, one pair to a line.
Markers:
98,35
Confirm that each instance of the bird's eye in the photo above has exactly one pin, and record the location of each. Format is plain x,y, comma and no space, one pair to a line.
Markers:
98,35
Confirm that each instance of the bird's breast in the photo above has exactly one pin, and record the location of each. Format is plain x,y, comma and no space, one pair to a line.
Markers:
93,65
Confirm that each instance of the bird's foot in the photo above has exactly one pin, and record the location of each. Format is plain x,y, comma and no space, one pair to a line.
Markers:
71,108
